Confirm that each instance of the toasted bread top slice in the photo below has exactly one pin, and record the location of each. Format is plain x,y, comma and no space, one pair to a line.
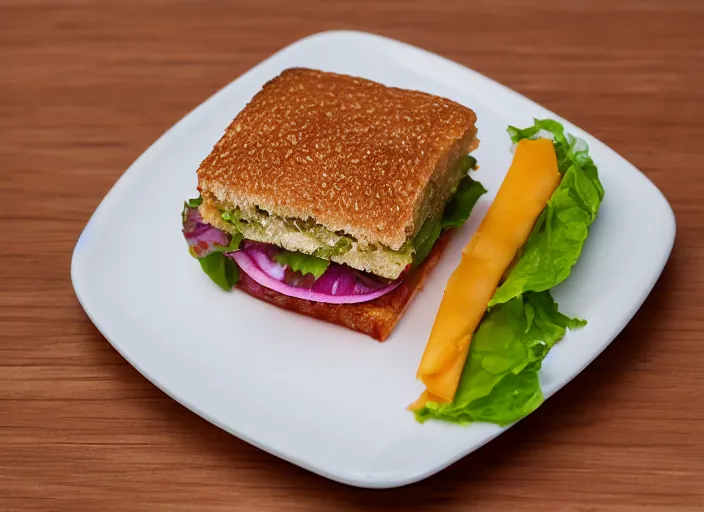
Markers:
352,154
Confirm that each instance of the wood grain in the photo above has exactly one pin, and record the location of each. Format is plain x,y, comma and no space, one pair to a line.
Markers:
86,86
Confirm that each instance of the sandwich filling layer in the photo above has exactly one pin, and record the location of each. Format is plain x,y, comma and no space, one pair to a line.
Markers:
308,237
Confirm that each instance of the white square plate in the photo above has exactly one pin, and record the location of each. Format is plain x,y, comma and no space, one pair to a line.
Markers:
320,396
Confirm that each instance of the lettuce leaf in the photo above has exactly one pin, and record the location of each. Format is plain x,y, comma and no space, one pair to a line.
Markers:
194,202
456,212
558,236
425,239
303,263
222,270
460,205
570,150
464,197
499,383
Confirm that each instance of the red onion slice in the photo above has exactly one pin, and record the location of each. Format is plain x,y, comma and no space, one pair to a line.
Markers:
192,221
202,238
268,265
336,280
338,285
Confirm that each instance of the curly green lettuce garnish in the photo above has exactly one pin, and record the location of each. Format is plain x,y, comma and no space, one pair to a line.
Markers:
194,202
303,263
559,233
461,204
499,383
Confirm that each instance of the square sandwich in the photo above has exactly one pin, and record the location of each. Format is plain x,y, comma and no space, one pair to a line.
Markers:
325,174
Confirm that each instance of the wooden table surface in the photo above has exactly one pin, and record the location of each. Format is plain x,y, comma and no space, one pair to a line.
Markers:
86,86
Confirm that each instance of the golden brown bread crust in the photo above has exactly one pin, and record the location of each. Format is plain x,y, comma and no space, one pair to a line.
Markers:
355,155
376,318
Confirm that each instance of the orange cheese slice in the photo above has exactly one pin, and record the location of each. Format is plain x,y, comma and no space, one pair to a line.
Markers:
529,183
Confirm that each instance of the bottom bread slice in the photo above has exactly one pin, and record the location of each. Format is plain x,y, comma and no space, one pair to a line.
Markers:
376,318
